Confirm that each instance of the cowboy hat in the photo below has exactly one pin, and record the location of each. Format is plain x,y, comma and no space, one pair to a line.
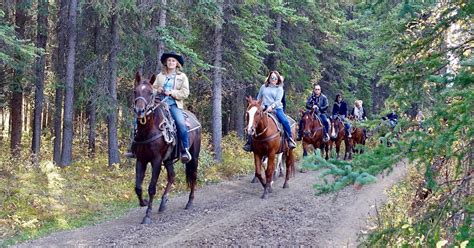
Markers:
178,57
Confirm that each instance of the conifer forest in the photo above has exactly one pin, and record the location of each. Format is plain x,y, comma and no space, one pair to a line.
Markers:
68,114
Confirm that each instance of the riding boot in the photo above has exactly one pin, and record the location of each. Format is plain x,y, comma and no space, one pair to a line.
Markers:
300,131
326,136
348,133
248,146
131,152
291,143
185,156
300,136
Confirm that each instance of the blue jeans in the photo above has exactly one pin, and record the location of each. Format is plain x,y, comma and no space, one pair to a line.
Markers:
284,121
324,119
347,127
178,117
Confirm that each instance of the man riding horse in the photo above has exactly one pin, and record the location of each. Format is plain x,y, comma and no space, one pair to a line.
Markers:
319,102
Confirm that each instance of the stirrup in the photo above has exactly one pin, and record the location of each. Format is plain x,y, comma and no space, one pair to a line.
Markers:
291,143
186,156
130,155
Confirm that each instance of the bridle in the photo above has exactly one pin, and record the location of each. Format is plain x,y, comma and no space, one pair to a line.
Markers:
313,130
149,107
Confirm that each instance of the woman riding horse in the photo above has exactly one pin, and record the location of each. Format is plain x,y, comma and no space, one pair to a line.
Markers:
271,94
267,141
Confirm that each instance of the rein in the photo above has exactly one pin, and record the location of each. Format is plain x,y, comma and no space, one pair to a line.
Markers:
265,130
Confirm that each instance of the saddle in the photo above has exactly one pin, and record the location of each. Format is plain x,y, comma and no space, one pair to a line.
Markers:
283,147
175,148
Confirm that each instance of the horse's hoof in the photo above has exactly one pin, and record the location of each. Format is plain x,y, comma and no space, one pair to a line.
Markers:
144,203
270,190
264,196
254,180
146,220
285,185
163,204
162,208
189,206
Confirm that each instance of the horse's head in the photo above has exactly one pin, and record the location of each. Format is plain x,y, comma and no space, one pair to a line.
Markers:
309,122
144,97
254,114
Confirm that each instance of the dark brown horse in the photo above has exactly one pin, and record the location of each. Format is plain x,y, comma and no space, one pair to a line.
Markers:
313,133
266,142
338,134
153,145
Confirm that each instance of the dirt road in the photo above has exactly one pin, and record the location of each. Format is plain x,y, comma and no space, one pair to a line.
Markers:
232,214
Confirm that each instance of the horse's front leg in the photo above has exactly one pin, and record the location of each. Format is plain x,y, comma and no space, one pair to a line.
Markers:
171,177
156,169
338,147
269,175
191,178
140,169
348,150
258,168
305,149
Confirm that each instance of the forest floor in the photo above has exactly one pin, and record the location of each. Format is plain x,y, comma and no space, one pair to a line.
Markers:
231,213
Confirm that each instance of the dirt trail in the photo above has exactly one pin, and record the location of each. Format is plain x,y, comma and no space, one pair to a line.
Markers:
232,214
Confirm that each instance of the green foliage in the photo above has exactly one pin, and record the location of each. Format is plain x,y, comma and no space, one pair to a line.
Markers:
15,53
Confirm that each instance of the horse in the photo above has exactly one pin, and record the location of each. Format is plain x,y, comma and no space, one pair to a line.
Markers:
313,133
267,141
338,134
156,144
359,136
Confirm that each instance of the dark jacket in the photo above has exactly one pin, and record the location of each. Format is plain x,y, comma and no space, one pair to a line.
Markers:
339,109
392,116
321,102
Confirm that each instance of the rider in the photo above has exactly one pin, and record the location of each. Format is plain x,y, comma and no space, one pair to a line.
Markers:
317,101
339,109
172,85
392,118
358,111
271,93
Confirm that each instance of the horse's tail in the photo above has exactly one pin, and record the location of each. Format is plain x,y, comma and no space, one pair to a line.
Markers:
192,166
290,163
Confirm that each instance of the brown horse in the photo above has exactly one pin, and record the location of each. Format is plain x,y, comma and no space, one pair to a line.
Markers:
154,145
338,134
313,133
359,136
266,142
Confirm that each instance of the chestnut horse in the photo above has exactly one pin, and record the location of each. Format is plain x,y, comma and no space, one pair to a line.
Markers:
266,142
338,134
153,145
313,133
358,137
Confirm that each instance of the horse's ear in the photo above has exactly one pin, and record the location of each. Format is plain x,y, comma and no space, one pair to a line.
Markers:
138,78
152,79
302,111
260,101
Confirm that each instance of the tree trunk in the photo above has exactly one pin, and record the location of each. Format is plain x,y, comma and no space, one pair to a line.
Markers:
239,112
66,153
217,91
161,45
112,116
41,39
16,102
60,68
